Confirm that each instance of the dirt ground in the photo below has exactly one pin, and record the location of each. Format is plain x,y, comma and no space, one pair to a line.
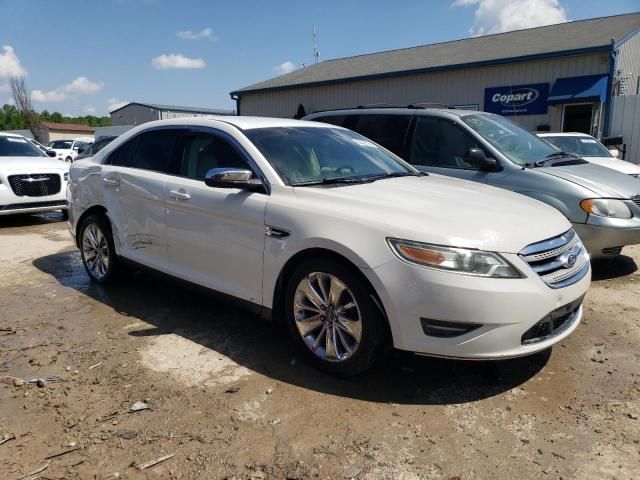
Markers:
228,399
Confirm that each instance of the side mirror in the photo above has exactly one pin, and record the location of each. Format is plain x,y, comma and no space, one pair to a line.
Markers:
51,153
614,152
232,178
477,158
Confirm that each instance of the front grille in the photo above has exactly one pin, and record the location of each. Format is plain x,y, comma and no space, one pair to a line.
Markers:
36,185
636,200
553,324
18,206
560,261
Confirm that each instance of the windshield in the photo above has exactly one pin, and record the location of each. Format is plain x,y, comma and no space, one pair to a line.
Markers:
304,155
61,144
18,147
514,142
582,146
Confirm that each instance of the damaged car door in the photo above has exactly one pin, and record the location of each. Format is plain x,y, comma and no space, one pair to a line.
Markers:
133,180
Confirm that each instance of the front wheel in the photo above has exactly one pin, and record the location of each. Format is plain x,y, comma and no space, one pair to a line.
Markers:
332,317
97,250
68,160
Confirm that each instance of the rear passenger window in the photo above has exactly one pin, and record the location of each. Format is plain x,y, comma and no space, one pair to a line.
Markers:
439,142
386,130
203,151
150,151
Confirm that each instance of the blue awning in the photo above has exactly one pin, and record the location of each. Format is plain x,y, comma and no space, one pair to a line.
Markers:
592,88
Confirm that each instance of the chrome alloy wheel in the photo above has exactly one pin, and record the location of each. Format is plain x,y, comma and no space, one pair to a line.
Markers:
95,251
327,316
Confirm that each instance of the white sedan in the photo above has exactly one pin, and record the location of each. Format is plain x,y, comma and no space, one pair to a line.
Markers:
68,150
590,149
30,181
350,246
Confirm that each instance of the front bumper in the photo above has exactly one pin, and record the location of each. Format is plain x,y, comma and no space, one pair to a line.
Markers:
606,241
504,310
12,204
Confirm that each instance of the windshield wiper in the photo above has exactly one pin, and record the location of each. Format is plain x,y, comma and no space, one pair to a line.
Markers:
353,180
373,178
553,156
329,181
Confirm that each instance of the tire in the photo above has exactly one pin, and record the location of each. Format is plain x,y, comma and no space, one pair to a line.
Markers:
357,333
68,160
95,236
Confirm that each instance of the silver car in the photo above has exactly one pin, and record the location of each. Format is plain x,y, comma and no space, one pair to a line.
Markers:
602,204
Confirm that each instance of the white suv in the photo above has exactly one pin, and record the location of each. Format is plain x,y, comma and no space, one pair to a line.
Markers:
30,181
352,247
68,150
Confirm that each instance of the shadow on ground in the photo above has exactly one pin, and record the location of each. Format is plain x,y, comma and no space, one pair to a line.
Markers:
29,220
608,269
261,346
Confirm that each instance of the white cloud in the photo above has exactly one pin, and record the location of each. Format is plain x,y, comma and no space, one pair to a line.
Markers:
5,87
204,33
78,86
286,67
89,109
173,60
496,16
115,103
10,63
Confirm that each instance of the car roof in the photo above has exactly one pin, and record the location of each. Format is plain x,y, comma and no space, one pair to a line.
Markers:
562,134
240,122
399,111
8,134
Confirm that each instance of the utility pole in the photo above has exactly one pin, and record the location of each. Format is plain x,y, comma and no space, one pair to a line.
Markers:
316,52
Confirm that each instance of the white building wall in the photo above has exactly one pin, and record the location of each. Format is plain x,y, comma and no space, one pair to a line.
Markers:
455,87
628,63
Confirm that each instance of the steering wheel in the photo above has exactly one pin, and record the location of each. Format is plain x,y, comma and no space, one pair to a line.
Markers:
513,143
348,168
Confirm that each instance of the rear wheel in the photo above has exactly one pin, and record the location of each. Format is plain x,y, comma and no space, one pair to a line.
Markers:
332,317
97,250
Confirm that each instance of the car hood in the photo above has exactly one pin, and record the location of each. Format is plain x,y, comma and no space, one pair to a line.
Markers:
440,210
603,181
623,166
26,164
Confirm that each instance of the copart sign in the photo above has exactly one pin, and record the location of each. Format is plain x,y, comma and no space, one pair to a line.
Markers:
517,99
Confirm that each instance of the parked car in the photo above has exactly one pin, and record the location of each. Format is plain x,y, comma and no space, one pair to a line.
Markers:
352,247
603,205
68,150
30,181
591,150
96,146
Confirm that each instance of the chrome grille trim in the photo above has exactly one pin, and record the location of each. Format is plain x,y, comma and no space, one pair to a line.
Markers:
559,261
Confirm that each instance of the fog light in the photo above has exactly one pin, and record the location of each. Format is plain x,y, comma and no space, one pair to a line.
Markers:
442,329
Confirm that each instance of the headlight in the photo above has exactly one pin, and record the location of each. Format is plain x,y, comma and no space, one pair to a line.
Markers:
606,207
458,260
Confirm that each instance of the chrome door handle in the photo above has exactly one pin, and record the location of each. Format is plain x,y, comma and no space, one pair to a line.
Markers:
179,195
111,182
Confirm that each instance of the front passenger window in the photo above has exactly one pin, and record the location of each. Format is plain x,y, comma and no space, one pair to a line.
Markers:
438,142
202,152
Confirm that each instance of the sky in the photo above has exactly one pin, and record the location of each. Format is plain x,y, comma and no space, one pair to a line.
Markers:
88,57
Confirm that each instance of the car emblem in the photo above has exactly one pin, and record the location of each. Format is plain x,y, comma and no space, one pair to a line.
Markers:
570,261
